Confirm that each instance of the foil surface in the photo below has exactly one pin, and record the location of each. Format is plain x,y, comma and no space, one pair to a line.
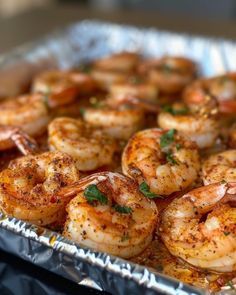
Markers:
79,43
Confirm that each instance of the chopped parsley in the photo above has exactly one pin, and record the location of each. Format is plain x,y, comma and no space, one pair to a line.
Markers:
124,237
93,194
122,209
178,146
135,80
167,138
170,158
231,285
82,111
86,68
145,190
173,111
226,233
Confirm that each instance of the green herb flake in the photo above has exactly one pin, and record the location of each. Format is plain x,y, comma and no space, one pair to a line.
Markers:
135,80
167,69
145,190
226,233
93,194
86,68
231,285
170,158
122,209
178,146
82,111
125,238
171,110
167,138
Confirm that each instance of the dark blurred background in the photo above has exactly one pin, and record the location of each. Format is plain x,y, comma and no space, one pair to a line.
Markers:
214,9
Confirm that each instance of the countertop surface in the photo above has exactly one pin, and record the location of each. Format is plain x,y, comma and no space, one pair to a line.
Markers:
35,23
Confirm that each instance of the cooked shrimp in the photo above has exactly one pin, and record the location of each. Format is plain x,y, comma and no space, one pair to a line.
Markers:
89,146
164,160
109,214
218,167
143,95
201,128
28,112
113,69
200,227
28,187
223,88
62,87
119,62
13,136
169,73
118,123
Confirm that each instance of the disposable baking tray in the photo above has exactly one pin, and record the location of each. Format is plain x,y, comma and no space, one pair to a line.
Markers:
76,44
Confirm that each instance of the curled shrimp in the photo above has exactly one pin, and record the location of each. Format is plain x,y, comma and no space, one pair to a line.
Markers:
200,227
122,223
119,62
169,73
218,167
142,95
223,88
28,187
163,159
116,68
89,146
13,136
62,87
200,127
28,112
119,123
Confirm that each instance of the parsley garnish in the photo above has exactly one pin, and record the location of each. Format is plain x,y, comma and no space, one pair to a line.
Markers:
167,138
124,238
92,193
122,209
171,159
86,68
82,111
166,68
178,146
226,233
171,110
145,190
231,285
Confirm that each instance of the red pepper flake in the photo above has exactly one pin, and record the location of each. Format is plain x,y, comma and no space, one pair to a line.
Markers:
53,199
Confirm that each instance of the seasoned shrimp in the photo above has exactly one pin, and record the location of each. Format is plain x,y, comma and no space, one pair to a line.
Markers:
163,159
116,68
218,167
62,87
89,146
200,227
28,112
201,128
223,88
143,95
118,123
28,187
12,136
119,62
109,214
170,74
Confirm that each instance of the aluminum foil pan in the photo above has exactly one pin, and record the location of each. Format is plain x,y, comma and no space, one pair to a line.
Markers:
83,42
